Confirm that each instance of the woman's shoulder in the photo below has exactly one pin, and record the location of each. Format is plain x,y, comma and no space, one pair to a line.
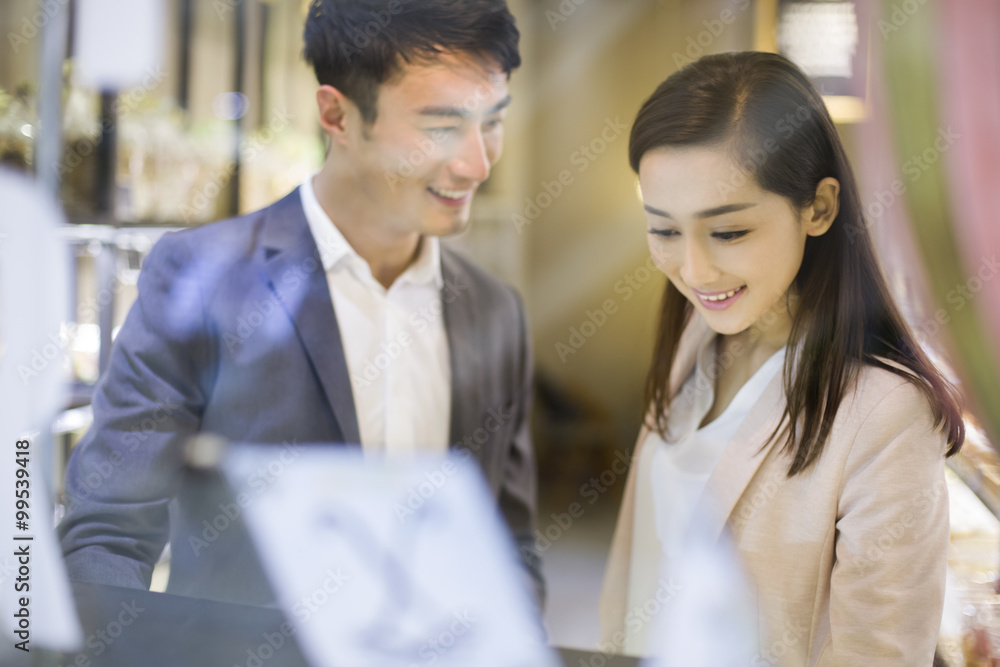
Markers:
886,403
888,388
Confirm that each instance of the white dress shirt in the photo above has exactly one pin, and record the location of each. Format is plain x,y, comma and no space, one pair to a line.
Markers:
394,340
673,473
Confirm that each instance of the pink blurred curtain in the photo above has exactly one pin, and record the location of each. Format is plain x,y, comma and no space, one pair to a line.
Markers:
970,100
935,130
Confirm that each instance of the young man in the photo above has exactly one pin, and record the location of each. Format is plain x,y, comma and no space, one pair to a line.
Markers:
333,315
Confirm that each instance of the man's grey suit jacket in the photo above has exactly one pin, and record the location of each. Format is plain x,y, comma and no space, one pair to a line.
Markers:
234,333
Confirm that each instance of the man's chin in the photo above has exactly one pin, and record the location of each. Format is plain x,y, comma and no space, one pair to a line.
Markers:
456,225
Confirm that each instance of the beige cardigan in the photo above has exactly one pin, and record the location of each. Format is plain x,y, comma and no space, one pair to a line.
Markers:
848,557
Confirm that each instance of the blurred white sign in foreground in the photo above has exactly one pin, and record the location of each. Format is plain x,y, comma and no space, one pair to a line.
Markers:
713,620
35,601
387,563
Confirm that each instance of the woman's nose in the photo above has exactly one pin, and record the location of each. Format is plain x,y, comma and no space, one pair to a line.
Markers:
698,267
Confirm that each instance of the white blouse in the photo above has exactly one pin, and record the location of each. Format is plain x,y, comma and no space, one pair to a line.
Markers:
673,473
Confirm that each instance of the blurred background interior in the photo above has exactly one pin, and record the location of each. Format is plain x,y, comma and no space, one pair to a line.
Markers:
225,123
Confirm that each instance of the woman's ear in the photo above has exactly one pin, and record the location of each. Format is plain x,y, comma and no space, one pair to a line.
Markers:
819,215
335,111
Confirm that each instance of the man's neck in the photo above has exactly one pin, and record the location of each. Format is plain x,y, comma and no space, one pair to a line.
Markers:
388,253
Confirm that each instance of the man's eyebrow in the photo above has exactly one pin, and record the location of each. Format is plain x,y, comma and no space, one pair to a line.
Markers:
462,112
707,213
499,106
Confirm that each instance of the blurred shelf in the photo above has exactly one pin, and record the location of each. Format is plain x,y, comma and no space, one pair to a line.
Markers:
978,466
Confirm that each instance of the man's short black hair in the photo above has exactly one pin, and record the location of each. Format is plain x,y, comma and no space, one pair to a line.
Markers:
357,45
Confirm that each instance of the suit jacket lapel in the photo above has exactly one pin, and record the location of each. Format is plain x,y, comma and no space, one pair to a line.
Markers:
465,351
296,275
614,593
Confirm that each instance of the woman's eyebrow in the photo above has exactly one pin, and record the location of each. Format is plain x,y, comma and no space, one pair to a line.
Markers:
707,213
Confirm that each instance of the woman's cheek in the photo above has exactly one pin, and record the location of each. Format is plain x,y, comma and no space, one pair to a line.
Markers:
661,258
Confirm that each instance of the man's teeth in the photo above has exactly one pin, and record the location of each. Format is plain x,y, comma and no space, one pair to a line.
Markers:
450,194
722,297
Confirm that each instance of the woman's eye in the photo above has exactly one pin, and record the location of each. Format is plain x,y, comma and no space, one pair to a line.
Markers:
729,236
664,233
494,123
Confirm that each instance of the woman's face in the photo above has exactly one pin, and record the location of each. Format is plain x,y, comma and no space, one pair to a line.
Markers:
731,248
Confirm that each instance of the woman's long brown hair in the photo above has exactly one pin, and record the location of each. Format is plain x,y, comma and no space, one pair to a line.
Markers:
767,113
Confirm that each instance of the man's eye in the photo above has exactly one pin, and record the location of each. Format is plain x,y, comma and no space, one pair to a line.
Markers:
442,135
493,123
730,236
665,233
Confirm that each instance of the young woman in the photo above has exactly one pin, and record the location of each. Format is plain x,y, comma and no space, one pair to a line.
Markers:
789,404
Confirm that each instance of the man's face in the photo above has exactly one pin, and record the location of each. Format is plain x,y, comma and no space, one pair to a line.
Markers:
438,131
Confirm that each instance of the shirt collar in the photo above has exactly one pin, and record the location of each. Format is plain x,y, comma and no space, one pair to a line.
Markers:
332,245
426,268
334,248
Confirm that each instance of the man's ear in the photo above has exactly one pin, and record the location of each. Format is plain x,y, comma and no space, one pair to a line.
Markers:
819,215
335,112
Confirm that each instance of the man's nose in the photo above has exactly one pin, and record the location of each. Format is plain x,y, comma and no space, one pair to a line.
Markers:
472,162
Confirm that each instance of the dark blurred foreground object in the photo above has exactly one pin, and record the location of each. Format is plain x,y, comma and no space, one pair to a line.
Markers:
126,628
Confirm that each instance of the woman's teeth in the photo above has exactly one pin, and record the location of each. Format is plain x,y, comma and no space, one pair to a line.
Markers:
722,297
